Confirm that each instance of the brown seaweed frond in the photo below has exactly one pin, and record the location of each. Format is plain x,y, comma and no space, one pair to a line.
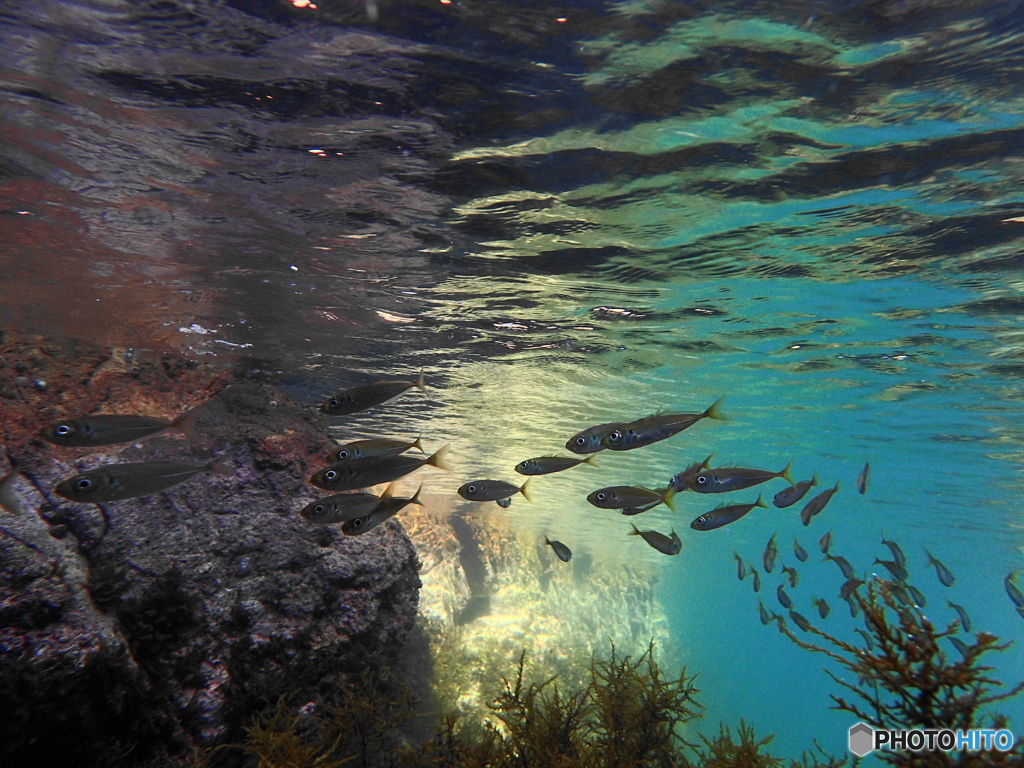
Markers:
280,738
904,679
724,751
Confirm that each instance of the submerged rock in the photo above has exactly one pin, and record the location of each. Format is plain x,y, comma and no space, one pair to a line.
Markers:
131,631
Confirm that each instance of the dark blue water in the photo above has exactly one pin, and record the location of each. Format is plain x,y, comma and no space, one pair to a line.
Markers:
569,215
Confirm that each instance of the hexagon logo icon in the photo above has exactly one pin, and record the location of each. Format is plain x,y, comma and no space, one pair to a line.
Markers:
862,739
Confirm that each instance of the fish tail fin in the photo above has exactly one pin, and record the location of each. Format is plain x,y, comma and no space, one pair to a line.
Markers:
419,381
760,502
814,479
416,497
713,411
417,444
634,532
546,539
439,460
932,560
785,473
668,498
221,466
707,462
835,488
389,492
525,490
8,500
590,460
186,423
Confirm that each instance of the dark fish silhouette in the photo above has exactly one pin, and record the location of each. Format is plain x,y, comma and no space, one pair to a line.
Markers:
800,552
339,508
849,587
825,542
371,470
563,552
378,446
108,430
919,598
844,565
787,497
817,504
766,618
770,553
792,574
590,439
944,574
862,478
897,553
681,480
783,597
545,465
741,567
822,607
965,620
668,545
388,506
366,396
725,479
660,426
960,645
756,579
503,503
115,482
630,496
898,572
492,490
800,621
723,515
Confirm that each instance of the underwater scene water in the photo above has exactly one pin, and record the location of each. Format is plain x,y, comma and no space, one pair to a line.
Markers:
567,214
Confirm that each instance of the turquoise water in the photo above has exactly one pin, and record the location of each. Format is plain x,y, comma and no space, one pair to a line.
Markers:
812,211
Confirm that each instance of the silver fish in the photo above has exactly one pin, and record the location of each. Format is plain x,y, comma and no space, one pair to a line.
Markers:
102,429
627,496
114,482
493,490
800,621
660,426
563,552
388,506
944,574
862,478
800,552
545,465
371,470
378,446
965,620
725,479
681,480
590,439
770,553
339,508
783,597
787,497
815,505
367,396
897,553
844,565
668,545
723,515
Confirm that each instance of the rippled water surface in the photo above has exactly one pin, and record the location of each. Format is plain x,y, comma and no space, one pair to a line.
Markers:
568,214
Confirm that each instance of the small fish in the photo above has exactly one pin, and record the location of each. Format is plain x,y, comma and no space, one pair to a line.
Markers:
590,439
822,607
766,618
944,574
897,553
770,553
114,482
493,490
372,470
741,567
897,589
825,542
681,480
815,505
862,478
790,496
849,587
367,396
800,621
630,496
919,598
1012,591
965,620
545,465
388,506
757,577
339,508
784,599
102,429
563,552
503,503
844,565
854,608
787,497
378,446
899,573
800,552
792,574
723,515
725,479
8,498
668,545
660,426
639,510
868,640
960,645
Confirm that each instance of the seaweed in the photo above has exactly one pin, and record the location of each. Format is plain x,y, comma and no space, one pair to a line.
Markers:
904,680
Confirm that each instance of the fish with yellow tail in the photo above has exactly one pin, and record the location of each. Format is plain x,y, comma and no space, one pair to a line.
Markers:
660,426
631,497
370,470
668,545
116,482
787,497
723,515
493,490
591,439
561,551
815,505
339,508
367,396
377,446
545,465
682,479
104,429
725,479
388,506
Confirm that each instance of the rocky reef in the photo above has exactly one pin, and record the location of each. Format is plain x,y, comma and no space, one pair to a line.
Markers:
133,631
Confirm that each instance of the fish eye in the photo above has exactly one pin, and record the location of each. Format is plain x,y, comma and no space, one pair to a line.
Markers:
702,520
602,496
357,523
471,489
616,435
330,474
702,479
62,430
343,454
84,484
319,508
333,402
581,441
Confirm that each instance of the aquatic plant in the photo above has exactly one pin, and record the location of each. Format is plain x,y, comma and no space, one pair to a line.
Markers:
905,680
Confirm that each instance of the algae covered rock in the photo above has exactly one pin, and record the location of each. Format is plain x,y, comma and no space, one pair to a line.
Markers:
140,628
